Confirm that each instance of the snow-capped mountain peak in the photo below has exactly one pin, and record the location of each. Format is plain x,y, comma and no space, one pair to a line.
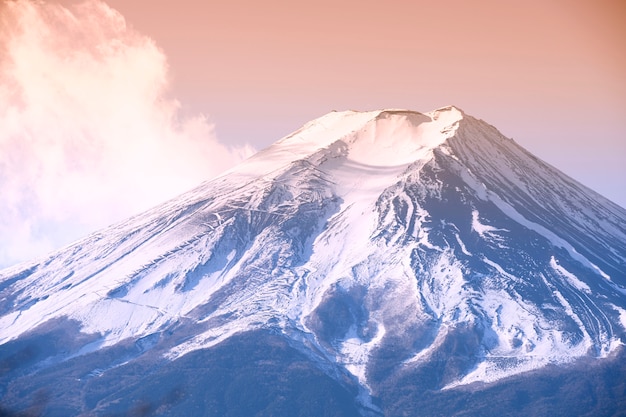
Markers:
360,237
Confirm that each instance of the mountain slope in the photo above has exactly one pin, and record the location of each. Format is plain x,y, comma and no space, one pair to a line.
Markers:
375,244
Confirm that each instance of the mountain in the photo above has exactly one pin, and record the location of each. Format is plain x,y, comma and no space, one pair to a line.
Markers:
371,263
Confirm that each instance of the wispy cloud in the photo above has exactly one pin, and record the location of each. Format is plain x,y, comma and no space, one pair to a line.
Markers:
88,134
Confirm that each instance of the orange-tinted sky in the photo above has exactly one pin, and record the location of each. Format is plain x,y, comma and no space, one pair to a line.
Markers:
108,107
550,74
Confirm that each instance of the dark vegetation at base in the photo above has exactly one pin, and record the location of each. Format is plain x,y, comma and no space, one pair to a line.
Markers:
589,388
260,374
252,374
48,343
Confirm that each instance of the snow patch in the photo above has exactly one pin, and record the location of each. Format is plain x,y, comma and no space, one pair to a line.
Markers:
571,278
480,228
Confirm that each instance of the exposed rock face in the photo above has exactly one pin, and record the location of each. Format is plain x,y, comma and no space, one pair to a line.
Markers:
371,250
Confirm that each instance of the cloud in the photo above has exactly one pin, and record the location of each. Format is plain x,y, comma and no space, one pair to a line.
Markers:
88,133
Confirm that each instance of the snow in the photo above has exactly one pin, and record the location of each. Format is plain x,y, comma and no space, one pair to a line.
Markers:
551,236
478,227
526,341
425,354
355,353
622,315
267,241
571,278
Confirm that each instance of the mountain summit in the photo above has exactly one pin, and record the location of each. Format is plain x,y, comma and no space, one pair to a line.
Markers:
369,263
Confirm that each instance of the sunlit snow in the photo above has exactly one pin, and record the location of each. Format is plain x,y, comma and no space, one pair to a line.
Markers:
434,224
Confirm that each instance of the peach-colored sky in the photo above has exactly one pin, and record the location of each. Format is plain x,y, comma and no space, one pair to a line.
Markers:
551,74
109,106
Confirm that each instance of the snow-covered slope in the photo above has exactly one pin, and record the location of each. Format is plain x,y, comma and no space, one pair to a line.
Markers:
360,236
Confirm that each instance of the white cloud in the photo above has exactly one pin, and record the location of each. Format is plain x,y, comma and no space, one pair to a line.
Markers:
88,135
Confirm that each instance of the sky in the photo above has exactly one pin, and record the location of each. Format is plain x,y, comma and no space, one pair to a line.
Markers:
108,108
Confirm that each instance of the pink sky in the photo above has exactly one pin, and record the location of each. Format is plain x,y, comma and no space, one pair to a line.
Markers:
107,108
550,74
